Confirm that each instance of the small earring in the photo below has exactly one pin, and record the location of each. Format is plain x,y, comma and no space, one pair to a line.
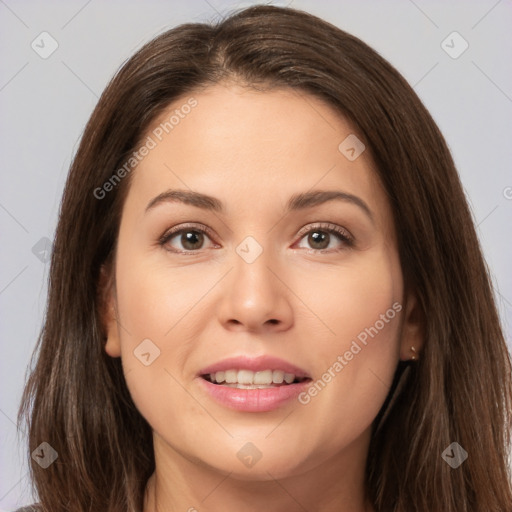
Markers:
413,357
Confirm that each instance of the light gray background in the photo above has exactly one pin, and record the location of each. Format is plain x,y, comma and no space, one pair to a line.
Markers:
45,103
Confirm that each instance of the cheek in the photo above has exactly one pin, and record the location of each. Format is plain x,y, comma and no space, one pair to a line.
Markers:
351,298
356,357
153,300
152,307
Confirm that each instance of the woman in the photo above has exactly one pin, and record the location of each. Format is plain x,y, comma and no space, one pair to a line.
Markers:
266,291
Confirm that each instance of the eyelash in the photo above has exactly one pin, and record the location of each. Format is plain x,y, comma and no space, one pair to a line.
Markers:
327,227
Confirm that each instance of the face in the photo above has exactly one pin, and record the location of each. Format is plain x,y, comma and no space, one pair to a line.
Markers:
283,284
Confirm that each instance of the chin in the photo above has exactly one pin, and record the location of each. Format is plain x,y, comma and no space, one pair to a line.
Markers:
277,465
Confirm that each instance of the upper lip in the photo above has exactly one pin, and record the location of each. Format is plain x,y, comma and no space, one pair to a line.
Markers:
254,364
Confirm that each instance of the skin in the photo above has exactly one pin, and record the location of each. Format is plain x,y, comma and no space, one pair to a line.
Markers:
252,150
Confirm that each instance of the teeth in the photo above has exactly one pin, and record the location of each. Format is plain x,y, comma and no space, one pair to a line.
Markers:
230,376
289,378
250,386
245,377
264,377
250,379
277,376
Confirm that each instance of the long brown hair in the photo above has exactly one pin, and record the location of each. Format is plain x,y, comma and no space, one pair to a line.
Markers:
460,390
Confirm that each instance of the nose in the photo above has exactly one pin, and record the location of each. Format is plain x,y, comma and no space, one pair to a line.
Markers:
255,297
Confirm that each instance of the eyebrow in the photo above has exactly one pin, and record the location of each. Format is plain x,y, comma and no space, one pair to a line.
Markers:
296,202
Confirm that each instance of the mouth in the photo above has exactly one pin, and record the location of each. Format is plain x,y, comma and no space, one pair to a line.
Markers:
248,379
253,384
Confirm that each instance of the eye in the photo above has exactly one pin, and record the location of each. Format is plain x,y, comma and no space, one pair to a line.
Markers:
191,238
320,237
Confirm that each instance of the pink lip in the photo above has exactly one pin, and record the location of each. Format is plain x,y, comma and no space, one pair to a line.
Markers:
255,364
253,400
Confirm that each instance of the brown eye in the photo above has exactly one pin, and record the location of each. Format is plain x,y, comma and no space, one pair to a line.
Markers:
191,240
319,238
186,239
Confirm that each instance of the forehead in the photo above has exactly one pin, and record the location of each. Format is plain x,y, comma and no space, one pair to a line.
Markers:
232,141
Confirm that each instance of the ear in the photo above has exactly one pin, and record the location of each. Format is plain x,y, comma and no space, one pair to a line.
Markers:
413,329
107,311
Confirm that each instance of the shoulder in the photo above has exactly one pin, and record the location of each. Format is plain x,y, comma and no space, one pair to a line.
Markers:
31,508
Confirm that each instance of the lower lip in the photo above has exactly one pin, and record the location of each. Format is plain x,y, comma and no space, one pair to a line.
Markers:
253,400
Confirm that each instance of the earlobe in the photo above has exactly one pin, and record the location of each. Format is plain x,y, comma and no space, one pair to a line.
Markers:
412,330
113,347
107,312
113,344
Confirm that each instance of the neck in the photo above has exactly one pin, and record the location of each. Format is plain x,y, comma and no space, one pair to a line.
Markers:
181,485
